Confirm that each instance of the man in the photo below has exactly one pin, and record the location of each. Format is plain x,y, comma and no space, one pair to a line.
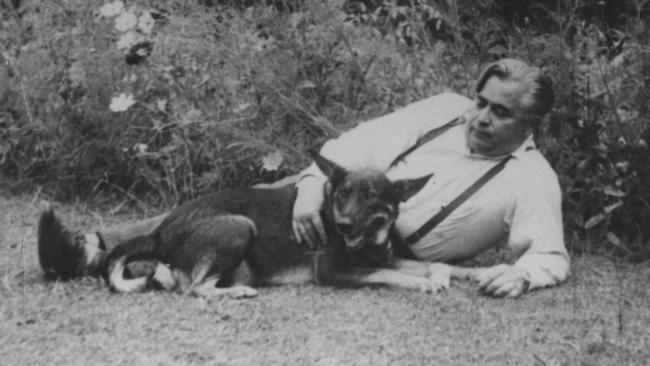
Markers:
519,205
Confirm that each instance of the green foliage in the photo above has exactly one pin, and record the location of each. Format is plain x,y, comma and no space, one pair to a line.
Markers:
169,99
598,142
597,135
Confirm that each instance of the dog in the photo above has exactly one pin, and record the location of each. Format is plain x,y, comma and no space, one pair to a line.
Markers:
228,242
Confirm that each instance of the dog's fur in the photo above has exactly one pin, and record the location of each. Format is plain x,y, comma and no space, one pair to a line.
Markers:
229,241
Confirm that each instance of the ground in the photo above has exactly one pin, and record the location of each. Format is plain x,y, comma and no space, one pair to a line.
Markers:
600,316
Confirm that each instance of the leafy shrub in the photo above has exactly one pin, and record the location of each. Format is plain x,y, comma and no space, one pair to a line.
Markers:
215,91
598,133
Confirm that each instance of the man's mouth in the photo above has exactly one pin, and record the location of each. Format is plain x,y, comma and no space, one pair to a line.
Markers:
481,135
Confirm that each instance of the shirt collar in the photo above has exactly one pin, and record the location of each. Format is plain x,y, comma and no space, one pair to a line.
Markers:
528,144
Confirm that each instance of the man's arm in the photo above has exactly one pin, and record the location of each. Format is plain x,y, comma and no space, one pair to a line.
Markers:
536,226
536,230
376,143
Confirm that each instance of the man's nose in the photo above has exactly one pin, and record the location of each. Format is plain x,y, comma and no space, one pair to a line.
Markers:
484,119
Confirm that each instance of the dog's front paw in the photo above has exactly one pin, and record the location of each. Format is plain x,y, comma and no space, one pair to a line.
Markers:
427,286
439,276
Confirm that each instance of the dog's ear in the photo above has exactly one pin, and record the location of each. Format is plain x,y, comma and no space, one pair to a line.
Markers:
406,188
334,172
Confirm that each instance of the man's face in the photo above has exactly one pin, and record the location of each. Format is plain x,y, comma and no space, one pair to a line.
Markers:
496,125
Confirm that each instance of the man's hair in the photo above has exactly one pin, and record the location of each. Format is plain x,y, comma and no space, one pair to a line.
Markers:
538,100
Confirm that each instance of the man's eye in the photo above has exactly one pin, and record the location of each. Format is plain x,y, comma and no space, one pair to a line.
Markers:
501,112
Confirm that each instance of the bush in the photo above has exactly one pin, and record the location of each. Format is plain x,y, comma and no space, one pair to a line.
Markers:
598,132
165,100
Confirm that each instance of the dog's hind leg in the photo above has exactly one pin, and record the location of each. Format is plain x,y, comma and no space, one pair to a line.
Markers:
208,289
165,278
119,283
213,256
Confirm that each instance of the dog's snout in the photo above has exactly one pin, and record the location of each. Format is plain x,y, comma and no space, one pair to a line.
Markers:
344,225
344,229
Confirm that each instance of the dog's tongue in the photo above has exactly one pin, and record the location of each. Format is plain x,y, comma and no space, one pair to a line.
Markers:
355,244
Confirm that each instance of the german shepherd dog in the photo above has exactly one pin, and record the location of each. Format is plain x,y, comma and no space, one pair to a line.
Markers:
230,241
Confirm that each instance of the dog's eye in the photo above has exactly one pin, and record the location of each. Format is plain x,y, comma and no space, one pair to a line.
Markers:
343,192
369,194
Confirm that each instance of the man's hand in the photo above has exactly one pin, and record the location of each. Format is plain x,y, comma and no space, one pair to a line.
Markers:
307,223
503,280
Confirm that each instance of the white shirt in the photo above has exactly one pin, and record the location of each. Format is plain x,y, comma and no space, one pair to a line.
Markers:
520,206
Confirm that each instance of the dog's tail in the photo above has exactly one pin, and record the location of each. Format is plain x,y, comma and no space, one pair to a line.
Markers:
60,251
136,249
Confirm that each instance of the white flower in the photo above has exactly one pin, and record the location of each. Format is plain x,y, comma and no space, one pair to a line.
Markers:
272,161
77,73
146,22
126,21
141,148
642,144
127,40
111,9
161,104
240,108
121,103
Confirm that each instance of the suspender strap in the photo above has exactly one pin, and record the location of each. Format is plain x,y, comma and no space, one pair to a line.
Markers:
402,246
426,138
445,211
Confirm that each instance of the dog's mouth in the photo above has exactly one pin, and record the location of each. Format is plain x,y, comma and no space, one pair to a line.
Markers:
374,233
354,244
372,236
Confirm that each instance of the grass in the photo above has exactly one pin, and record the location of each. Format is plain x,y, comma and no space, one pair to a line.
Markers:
599,316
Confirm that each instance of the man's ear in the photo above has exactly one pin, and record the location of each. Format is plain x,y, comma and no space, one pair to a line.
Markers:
406,188
334,172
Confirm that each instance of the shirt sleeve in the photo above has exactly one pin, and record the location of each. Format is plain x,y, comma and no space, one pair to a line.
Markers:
536,227
376,143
